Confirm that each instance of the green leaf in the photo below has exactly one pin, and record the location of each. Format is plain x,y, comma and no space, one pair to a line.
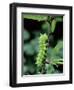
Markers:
50,69
58,47
49,19
35,44
31,68
55,53
53,25
46,27
26,35
57,61
35,17
25,69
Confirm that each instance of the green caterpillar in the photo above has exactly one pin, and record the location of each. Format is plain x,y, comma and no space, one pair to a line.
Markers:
42,49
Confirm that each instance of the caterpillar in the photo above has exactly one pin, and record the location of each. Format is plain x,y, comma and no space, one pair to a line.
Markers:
42,49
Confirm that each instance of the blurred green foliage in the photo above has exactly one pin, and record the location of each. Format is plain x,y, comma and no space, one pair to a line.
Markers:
35,17
59,19
28,48
54,57
26,35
